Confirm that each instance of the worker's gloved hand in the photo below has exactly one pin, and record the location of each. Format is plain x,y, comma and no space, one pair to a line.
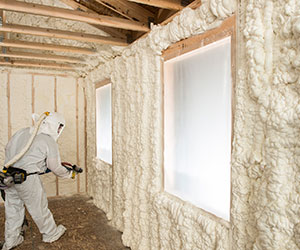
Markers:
75,169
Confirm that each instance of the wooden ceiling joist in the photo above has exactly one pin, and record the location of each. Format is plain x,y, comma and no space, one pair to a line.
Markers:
46,46
75,15
165,4
111,31
28,30
46,57
128,9
37,65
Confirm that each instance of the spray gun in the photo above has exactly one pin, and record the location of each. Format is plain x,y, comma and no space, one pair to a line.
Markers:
75,169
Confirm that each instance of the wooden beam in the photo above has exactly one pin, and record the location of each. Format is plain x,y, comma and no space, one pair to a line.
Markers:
76,5
46,46
46,57
37,65
111,31
193,5
75,15
127,9
165,4
62,34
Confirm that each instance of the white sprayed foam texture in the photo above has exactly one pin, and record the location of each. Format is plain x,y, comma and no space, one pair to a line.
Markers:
102,186
149,218
265,166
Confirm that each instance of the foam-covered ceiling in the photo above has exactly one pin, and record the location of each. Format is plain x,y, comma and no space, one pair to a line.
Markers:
76,34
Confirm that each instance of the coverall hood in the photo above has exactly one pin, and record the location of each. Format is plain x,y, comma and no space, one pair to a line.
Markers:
52,125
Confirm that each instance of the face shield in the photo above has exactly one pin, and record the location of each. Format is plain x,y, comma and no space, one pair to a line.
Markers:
52,125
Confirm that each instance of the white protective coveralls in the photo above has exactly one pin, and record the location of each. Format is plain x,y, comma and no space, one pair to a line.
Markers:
42,154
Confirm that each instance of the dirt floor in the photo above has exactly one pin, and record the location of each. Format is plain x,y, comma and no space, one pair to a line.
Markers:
87,227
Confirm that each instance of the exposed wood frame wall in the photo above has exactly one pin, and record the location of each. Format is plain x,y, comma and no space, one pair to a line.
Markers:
226,29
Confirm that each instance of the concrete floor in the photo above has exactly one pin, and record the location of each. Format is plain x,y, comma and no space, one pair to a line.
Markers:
87,227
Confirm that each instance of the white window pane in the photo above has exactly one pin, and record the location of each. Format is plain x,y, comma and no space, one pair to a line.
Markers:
103,123
198,127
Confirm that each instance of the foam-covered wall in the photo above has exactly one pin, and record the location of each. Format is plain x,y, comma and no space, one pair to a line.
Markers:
265,160
148,217
23,93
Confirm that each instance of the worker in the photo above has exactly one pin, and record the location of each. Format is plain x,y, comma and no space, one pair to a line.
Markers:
42,154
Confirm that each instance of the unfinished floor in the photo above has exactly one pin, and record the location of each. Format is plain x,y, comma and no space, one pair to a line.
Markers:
87,227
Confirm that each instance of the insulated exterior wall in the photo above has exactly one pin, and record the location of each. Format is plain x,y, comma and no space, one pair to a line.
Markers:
266,151
266,157
23,93
149,217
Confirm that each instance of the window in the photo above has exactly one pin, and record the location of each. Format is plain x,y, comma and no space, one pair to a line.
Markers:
197,127
104,123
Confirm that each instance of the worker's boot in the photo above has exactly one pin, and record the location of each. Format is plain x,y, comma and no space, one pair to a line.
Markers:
60,230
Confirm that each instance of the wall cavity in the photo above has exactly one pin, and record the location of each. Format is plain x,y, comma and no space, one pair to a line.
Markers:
148,217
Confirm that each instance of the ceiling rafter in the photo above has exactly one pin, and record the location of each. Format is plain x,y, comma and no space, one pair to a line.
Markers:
46,57
165,4
130,10
74,15
111,31
46,46
54,33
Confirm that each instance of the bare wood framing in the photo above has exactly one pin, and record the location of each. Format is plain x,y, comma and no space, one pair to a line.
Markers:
85,139
128,10
46,57
54,33
165,4
36,64
46,46
226,29
195,4
77,137
192,43
102,83
75,15
111,31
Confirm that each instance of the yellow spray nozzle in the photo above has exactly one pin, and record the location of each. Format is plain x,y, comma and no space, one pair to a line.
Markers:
47,113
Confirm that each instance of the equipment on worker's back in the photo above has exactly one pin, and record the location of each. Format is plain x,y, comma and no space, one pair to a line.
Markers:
11,175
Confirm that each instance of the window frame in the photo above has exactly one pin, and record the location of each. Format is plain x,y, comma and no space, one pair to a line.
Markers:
98,85
226,29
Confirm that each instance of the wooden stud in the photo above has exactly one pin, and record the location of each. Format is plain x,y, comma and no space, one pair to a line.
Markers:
85,140
77,136
75,15
46,46
47,57
165,4
53,33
